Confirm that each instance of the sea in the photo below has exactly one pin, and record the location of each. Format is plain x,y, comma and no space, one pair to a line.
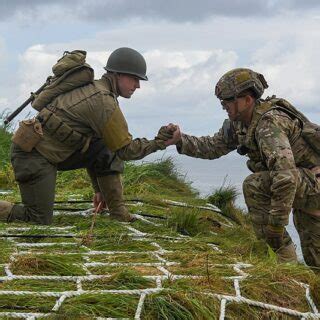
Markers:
208,175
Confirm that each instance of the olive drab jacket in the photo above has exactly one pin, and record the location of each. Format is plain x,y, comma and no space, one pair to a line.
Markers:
272,143
72,119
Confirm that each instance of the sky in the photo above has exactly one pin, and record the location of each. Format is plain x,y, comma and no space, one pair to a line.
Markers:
188,46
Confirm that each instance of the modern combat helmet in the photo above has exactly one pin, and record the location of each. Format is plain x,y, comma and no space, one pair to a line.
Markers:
232,83
129,61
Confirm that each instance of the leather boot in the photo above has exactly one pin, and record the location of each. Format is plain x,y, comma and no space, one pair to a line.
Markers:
287,254
5,209
112,191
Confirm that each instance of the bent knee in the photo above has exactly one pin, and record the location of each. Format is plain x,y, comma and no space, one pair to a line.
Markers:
256,182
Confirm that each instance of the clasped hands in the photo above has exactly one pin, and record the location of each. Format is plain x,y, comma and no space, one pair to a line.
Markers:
169,134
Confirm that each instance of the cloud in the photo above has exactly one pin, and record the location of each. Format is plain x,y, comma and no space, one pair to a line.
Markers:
181,83
291,67
185,61
122,10
35,67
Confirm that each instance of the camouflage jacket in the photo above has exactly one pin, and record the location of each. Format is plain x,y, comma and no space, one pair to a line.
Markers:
273,144
91,111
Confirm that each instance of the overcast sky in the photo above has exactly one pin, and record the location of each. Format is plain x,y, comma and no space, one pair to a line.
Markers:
188,45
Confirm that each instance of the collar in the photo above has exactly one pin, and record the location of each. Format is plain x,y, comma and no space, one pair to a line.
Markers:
112,83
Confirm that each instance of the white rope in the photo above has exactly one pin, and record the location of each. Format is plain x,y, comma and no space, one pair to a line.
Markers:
79,284
44,244
160,249
160,258
214,247
59,303
159,282
142,264
84,213
237,287
139,217
208,206
308,296
8,271
135,204
310,301
165,271
38,228
222,309
73,293
140,305
160,265
135,231
25,315
264,305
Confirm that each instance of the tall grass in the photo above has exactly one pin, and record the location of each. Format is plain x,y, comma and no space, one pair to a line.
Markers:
224,198
159,177
5,141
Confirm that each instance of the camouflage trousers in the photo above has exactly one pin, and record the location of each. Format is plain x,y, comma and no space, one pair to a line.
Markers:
36,177
256,189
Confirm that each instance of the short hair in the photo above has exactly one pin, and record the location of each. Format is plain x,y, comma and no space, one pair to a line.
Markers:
249,92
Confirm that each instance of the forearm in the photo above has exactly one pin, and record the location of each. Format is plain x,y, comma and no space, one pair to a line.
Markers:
140,148
205,147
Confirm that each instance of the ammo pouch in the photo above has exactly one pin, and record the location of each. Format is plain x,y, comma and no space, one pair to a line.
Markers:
56,128
28,134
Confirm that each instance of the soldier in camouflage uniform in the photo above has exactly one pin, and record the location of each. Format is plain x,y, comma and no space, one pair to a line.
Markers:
83,128
286,169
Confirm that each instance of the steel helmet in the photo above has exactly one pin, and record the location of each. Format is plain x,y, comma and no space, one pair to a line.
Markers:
129,61
232,83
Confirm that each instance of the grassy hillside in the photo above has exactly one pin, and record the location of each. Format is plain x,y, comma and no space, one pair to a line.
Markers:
181,259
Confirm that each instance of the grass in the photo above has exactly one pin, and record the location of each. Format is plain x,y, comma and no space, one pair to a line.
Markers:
224,198
26,303
47,264
103,305
180,306
39,285
156,178
123,280
5,139
6,249
181,298
212,283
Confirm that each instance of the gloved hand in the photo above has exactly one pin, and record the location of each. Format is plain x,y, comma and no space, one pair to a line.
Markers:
274,236
165,133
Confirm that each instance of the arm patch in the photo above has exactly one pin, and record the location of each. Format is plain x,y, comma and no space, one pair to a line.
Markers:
116,134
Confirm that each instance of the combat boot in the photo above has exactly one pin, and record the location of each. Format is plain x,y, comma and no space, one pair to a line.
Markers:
112,191
5,209
287,254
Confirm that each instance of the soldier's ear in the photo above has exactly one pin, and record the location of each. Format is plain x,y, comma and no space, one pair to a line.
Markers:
250,100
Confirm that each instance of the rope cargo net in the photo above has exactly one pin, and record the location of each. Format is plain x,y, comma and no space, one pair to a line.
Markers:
162,264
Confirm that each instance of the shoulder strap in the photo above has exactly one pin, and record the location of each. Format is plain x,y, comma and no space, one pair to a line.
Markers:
287,107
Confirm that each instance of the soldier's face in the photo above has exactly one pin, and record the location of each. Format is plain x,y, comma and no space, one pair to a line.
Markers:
232,108
127,85
237,108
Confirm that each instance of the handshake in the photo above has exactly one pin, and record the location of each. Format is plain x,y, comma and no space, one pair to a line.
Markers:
169,134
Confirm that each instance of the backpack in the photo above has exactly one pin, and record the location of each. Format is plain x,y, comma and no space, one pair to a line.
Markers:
70,72
310,132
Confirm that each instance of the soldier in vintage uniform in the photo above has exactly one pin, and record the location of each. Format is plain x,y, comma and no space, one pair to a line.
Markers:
286,168
83,128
